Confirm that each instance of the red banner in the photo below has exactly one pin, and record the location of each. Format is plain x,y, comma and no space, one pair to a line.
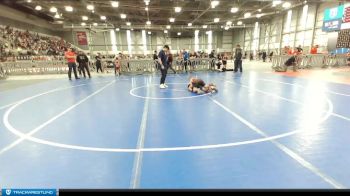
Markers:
82,38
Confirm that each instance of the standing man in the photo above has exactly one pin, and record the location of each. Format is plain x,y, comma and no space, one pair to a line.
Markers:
83,61
186,57
70,56
163,61
238,59
98,62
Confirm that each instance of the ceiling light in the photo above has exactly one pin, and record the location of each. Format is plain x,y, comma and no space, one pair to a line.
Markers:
53,9
103,17
149,32
148,22
29,1
227,28
247,15
205,26
259,10
146,2
115,3
234,9
222,26
214,4
168,26
117,29
172,19
95,24
276,2
38,7
239,23
216,19
286,5
177,9
57,15
90,7
128,23
122,16
165,31
189,24
84,18
229,23
178,33
69,8
132,29
258,15
83,24
146,8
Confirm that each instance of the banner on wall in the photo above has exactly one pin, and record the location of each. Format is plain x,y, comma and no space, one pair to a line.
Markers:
346,18
82,38
333,25
335,13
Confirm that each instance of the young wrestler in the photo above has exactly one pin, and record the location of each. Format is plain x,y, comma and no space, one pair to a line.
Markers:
198,86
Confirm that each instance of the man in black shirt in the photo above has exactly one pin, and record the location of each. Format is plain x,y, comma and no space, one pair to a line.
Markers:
98,62
83,61
163,61
238,59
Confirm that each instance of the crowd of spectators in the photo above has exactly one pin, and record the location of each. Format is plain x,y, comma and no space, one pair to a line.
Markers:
15,42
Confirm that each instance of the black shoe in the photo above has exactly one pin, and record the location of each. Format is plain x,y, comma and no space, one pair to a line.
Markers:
77,78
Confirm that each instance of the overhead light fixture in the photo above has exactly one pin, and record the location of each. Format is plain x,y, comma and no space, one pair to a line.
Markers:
214,4
247,15
286,5
95,24
305,2
117,29
189,24
146,8
53,9
179,33
128,23
83,24
69,8
259,10
222,26
103,17
90,7
132,29
115,3
57,15
178,9
148,23
38,7
258,15
168,26
234,9
146,2
149,32
229,23
172,19
216,20
276,2
239,23
29,1
165,31
122,16
205,26
227,28
85,18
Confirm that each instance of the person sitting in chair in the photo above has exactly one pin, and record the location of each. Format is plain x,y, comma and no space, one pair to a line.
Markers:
198,86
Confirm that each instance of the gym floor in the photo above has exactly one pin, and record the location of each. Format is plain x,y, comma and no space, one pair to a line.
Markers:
262,130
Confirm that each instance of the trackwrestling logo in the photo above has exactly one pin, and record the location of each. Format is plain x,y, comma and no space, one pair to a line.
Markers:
23,192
